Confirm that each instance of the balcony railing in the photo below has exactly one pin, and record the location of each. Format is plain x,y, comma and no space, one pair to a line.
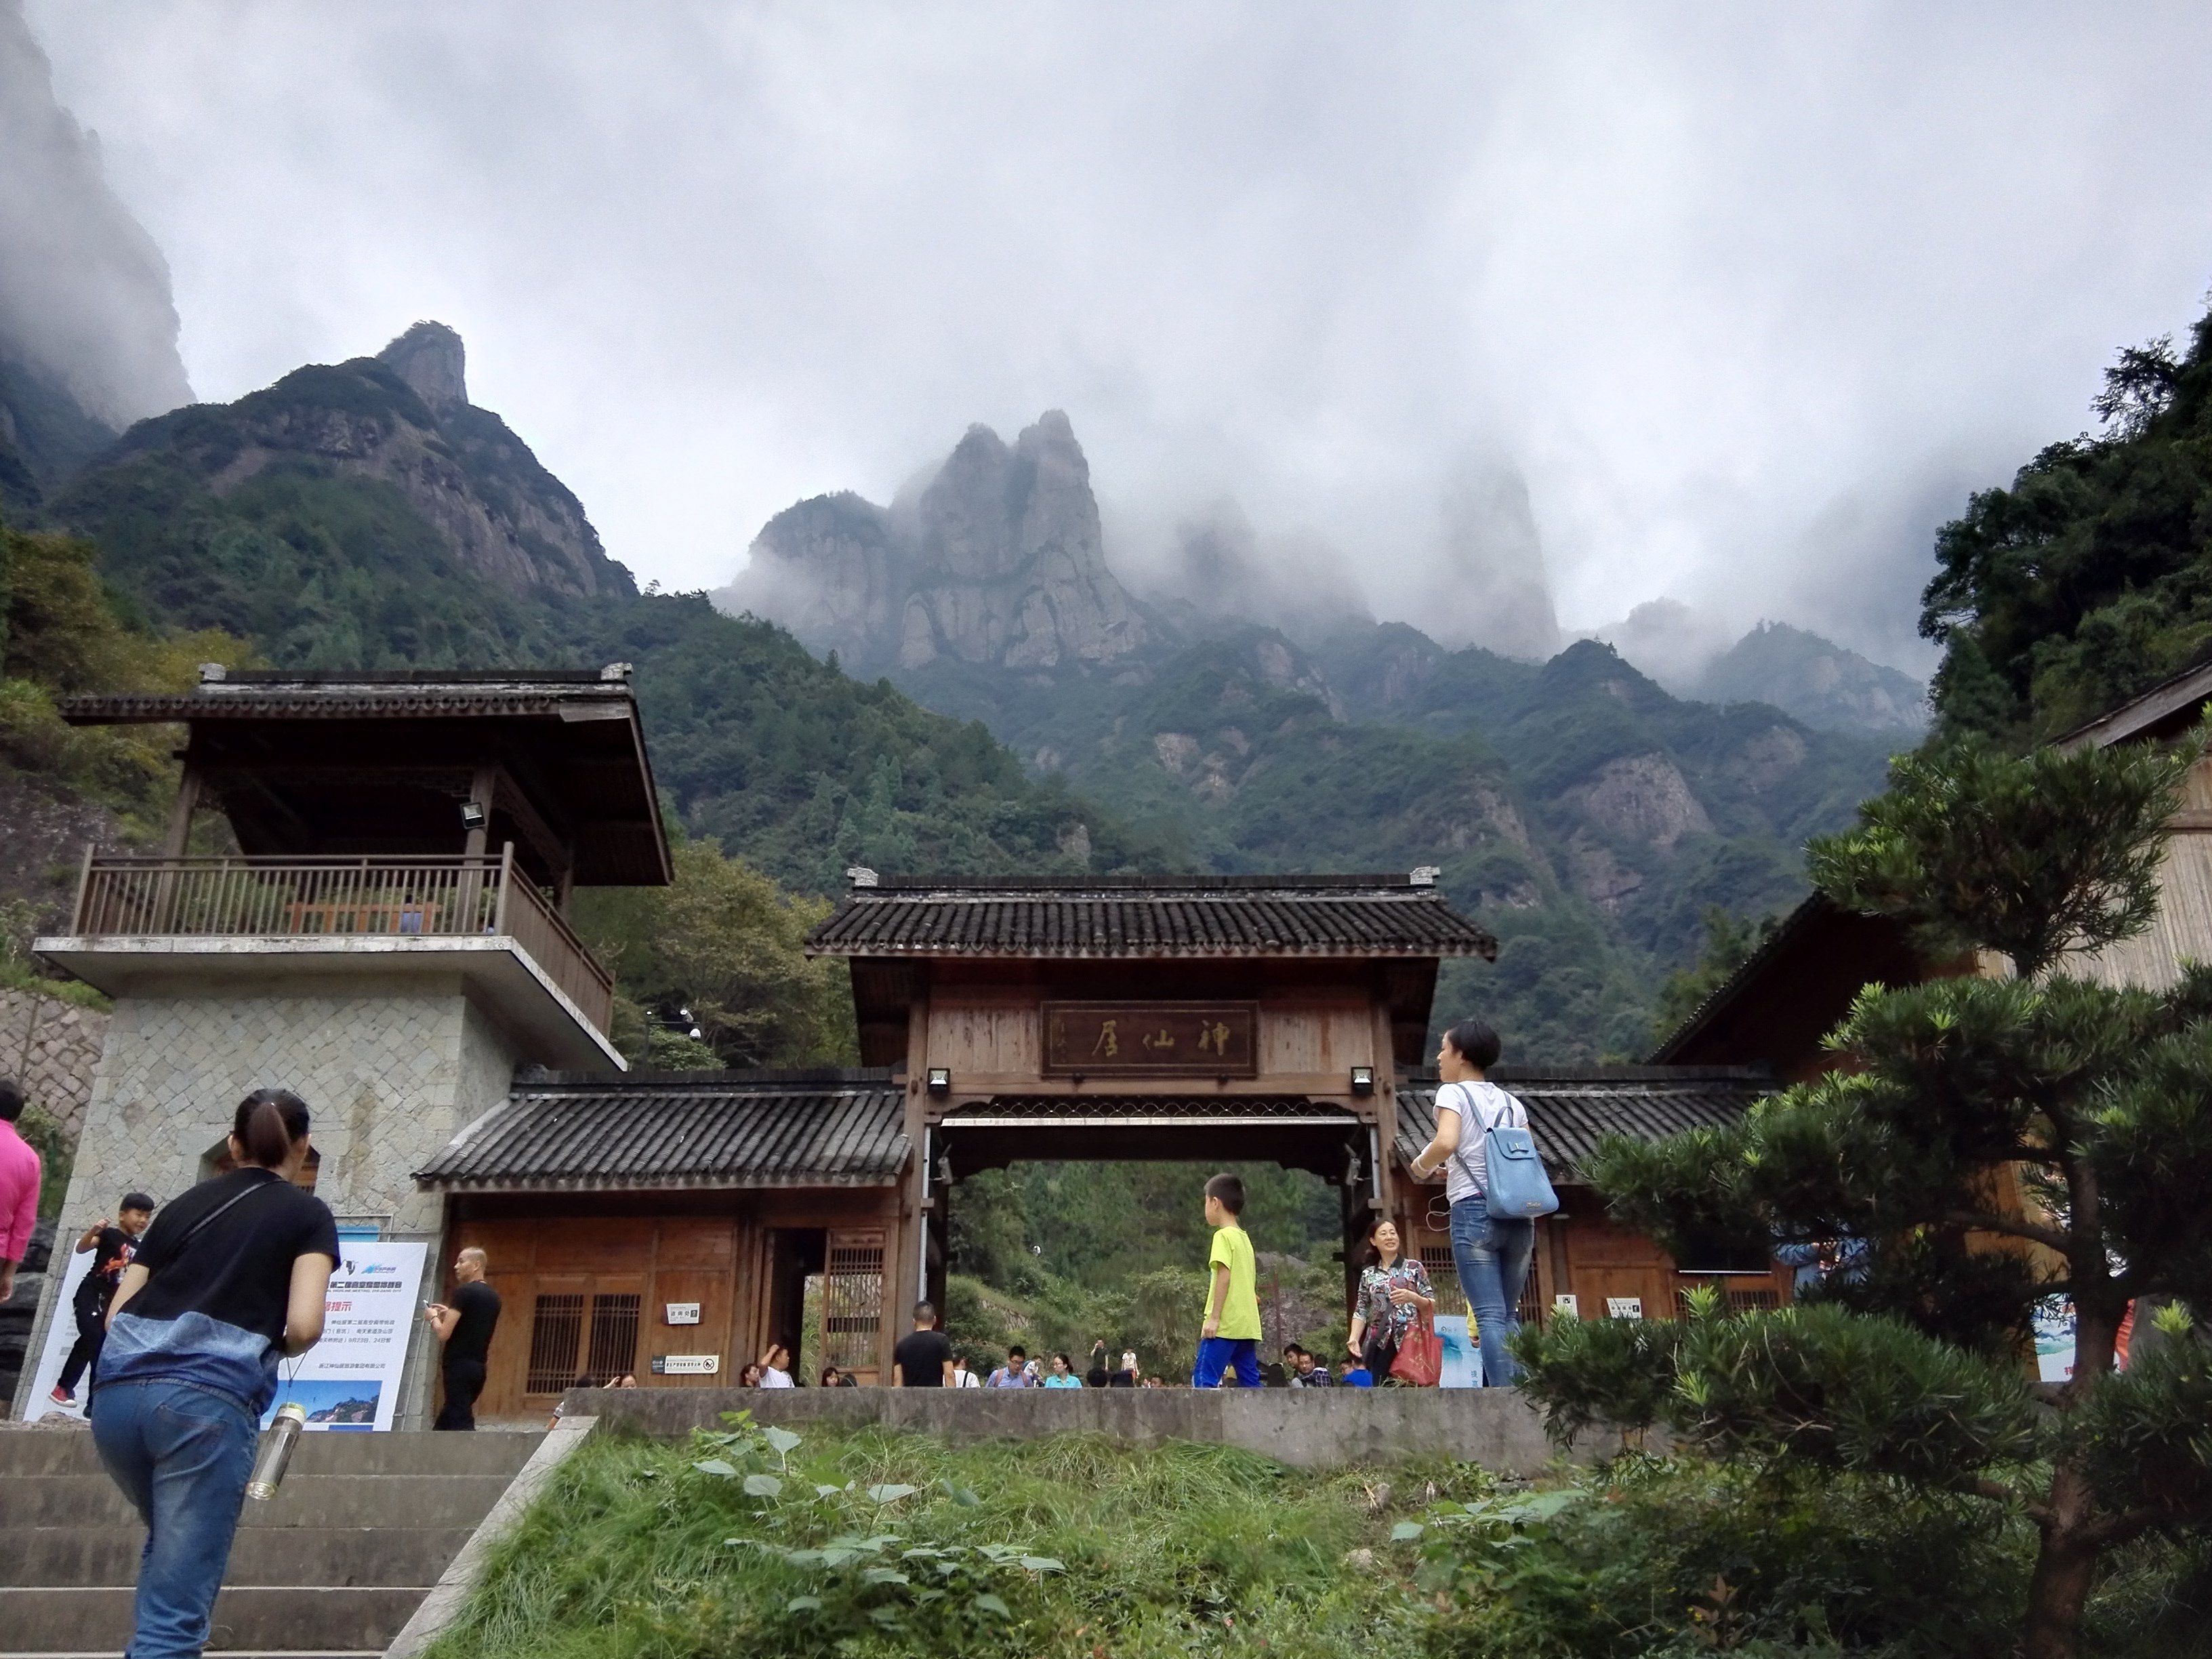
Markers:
342,897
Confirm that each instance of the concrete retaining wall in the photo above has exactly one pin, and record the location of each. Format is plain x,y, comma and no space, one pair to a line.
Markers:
50,1047
1310,1428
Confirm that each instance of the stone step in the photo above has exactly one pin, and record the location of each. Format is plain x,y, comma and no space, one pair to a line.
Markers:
305,1500
294,1618
81,1557
38,1450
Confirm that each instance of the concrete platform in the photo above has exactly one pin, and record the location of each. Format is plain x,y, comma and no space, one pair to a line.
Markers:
1308,1428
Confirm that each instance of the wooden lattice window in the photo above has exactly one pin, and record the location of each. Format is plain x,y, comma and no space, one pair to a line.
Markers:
1444,1278
556,1335
1531,1311
853,1301
614,1334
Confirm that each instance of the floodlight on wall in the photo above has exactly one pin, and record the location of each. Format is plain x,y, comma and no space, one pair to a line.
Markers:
1362,1079
940,1080
472,816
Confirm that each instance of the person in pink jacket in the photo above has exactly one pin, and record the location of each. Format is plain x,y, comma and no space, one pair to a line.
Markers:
19,1189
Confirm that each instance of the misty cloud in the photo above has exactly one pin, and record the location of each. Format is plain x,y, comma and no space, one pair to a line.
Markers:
1748,297
84,293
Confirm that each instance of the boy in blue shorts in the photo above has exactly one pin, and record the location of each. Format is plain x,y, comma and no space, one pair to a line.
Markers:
1231,1336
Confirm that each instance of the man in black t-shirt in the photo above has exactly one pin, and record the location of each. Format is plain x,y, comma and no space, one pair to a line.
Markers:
923,1359
111,1248
464,1327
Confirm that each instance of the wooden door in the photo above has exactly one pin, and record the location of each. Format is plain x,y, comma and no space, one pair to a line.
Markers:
853,1303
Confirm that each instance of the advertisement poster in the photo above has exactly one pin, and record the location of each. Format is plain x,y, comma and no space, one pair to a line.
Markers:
2054,1340
1462,1367
350,1379
61,1337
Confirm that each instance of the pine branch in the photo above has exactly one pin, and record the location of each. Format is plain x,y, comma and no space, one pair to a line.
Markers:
2011,1497
1987,1221
2113,1529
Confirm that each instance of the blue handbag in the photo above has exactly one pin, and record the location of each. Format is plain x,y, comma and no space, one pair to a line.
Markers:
1518,1189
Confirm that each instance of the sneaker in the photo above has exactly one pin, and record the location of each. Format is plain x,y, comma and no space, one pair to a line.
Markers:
62,1396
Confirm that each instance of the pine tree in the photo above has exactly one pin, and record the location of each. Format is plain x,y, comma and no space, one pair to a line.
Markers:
1994,1141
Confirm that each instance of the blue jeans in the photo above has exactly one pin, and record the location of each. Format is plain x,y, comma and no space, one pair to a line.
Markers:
181,1454
1216,1354
1492,1259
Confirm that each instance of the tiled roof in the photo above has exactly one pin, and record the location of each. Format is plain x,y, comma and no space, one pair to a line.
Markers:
681,1130
1571,1108
243,695
1151,916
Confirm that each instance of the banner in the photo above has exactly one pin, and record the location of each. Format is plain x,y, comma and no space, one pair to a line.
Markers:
61,1336
1462,1359
350,1379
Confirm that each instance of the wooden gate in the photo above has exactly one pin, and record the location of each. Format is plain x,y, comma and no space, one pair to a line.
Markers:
853,1303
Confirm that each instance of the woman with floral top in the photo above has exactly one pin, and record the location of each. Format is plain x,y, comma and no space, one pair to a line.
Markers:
1394,1291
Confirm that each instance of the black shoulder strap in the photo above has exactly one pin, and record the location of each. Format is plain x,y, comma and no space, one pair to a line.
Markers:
207,1220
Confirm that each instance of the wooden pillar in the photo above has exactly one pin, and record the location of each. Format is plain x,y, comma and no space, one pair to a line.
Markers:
180,814
484,791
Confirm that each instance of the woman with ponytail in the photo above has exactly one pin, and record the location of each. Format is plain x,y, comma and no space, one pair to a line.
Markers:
230,1278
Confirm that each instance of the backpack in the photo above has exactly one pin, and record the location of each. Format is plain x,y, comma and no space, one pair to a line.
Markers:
1518,1189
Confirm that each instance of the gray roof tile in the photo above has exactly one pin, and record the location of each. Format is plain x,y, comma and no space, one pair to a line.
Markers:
685,1130
1151,916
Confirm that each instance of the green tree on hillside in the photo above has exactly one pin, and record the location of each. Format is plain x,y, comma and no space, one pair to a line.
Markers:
718,950
2093,1104
2090,578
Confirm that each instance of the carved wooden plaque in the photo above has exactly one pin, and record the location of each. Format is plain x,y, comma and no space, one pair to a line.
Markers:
1151,1039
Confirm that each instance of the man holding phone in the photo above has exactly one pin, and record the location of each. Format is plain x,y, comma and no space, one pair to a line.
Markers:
464,1327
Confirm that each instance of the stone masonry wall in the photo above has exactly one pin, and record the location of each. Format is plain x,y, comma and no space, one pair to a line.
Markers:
51,1047
390,1074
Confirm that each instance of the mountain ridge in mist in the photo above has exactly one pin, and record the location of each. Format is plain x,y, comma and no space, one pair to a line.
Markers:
88,326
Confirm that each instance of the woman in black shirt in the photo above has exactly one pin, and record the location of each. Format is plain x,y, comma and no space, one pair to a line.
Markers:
231,1277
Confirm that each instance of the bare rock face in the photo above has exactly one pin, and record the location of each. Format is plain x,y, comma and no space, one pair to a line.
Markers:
997,560
462,469
1642,797
431,359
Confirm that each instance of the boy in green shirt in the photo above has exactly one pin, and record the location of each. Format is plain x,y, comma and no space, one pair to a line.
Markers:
1231,1336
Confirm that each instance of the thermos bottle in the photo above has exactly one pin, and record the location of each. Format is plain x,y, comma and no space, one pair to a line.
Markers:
276,1451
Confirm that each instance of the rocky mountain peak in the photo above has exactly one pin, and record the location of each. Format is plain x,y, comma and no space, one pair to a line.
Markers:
997,560
431,359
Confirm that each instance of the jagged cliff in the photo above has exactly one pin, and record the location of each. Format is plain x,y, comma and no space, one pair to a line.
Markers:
87,330
401,419
996,562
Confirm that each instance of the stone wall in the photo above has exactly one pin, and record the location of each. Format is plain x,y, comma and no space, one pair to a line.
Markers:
1310,1428
51,1048
390,1073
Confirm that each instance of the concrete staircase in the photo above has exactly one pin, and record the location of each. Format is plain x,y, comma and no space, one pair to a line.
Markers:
361,1530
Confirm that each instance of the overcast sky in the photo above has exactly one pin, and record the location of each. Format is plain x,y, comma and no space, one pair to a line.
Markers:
1750,295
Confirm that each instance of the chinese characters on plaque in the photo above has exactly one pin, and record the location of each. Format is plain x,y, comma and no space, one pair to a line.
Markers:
1138,1039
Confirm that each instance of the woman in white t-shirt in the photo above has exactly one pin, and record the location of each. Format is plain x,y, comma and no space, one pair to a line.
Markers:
1491,1253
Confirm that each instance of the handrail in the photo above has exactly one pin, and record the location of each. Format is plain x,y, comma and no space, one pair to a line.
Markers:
408,895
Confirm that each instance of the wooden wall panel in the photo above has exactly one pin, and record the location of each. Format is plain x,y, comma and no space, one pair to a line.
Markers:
1315,1038
991,1038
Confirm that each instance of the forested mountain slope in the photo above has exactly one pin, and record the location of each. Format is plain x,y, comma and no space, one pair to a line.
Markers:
366,514
1589,816
2090,578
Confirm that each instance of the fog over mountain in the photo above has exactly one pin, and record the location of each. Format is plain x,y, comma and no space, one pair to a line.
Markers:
1747,298
85,306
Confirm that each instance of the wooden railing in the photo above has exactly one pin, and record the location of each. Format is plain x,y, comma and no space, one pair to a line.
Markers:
296,897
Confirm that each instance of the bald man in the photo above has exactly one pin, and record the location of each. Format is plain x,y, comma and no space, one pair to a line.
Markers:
464,1326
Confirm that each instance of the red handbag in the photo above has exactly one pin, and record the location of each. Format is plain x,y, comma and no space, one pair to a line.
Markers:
1420,1359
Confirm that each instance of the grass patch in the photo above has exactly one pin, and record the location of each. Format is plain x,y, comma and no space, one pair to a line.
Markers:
1069,1545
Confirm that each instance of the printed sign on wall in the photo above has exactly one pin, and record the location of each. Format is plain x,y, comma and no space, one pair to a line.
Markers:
681,1313
350,1379
1138,1039
1624,1307
687,1364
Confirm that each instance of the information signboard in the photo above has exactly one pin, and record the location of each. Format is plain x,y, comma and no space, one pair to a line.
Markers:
349,1380
1157,1039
